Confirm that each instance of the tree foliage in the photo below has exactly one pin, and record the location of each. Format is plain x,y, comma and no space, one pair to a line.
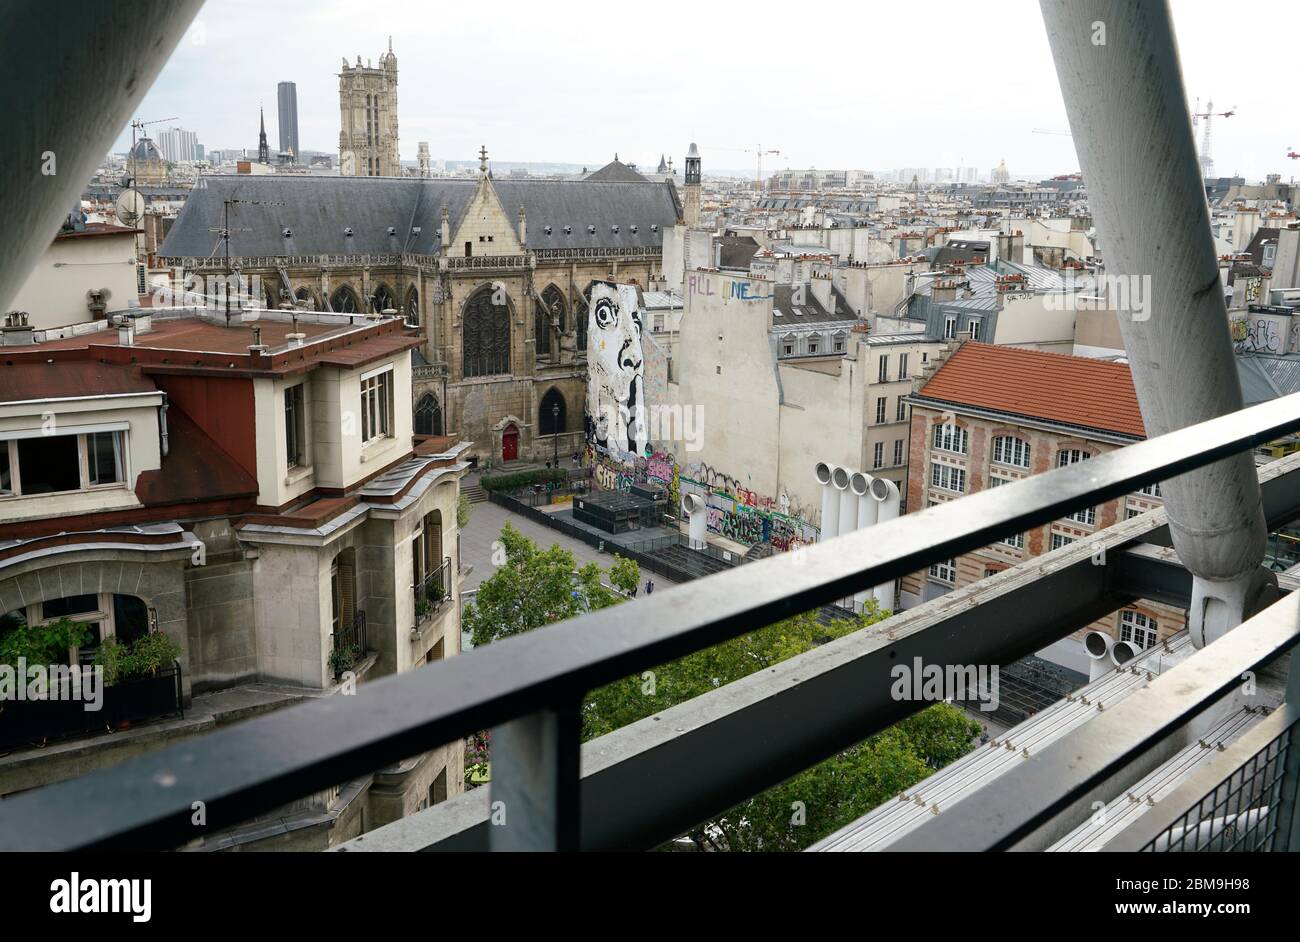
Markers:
536,587
533,587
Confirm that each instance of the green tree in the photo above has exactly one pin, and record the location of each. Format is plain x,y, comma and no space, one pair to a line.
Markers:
42,644
536,587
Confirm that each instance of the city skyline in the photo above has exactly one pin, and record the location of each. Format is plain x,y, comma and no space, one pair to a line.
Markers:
973,114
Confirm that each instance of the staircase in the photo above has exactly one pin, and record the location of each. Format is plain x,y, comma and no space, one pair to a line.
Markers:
472,491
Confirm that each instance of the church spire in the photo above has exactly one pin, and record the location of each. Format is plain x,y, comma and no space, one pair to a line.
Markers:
263,151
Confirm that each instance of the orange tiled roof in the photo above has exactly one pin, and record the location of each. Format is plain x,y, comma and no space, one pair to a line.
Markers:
1053,387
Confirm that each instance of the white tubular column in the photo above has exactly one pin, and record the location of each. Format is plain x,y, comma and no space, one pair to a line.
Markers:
697,518
1098,645
885,492
1123,90
868,506
830,522
848,506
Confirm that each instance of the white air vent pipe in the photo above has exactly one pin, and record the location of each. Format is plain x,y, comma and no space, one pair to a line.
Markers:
1098,645
1121,652
830,500
860,485
697,517
848,506
886,492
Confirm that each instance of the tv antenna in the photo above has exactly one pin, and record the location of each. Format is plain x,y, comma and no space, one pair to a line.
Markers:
225,231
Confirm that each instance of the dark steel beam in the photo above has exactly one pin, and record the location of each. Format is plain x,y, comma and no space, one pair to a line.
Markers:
266,762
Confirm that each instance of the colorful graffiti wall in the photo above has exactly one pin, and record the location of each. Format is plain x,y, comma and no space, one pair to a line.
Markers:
734,511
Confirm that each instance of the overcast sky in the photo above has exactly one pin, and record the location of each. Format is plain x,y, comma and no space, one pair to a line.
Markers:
871,86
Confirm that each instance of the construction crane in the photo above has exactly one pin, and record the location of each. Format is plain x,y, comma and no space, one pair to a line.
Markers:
1052,131
1207,157
758,151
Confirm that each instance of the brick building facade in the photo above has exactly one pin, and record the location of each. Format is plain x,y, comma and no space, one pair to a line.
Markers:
985,416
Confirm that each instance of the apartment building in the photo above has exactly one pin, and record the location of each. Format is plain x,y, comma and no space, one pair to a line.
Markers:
984,416
786,376
250,489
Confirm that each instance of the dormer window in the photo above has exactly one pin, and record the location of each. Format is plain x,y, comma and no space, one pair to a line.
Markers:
53,464
591,230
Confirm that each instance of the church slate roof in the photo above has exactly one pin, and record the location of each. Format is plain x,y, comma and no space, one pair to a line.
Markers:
617,172
317,211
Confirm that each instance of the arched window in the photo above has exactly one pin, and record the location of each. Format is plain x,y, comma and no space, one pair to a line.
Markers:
485,335
428,416
551,414
343,301
1010,451
383,300
580,310
413,308
552,302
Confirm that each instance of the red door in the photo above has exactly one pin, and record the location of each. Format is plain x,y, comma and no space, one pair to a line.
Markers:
510,443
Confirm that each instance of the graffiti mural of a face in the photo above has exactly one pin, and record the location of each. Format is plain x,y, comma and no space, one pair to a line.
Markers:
616,387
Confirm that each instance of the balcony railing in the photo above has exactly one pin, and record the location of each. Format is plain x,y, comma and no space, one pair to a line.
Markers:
352,634
433,591
656,778
27,722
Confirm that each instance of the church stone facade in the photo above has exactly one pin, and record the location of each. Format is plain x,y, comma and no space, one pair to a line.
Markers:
494,274
368,118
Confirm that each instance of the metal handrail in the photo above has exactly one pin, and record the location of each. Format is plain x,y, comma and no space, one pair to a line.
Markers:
147,801
441,577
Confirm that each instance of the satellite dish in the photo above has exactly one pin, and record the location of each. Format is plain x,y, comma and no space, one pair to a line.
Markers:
130,208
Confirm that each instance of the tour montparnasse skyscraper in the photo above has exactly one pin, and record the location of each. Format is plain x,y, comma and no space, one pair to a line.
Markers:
287,99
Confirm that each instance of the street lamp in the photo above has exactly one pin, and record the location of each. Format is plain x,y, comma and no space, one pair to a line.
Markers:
555,430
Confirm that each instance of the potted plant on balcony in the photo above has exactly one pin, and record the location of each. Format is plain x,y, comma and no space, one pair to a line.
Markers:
435,594
422,608
136,674
343,658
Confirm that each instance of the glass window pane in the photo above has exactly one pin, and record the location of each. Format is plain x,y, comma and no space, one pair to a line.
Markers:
104,458
49,463
69,605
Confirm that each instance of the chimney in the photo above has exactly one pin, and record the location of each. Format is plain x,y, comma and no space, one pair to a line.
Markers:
16,331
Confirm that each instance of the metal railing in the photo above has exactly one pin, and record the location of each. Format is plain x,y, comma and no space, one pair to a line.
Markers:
433,591
646,783
352,634
38,720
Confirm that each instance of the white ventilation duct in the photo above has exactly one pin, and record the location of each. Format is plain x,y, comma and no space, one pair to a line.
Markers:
830,500
885,492
697,517
860,485
848,506
1121,652
1098,645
